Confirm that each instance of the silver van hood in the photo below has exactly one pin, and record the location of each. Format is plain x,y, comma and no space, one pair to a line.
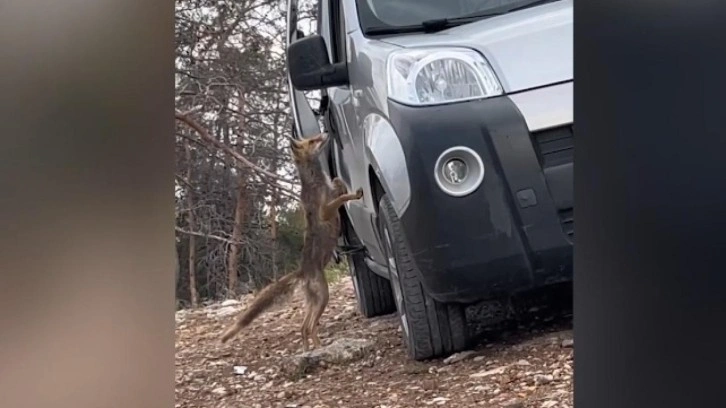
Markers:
527,49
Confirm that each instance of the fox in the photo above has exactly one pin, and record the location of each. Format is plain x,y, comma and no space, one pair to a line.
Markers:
321,199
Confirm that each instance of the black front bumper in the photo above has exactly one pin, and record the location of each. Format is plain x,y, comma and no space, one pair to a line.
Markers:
493,241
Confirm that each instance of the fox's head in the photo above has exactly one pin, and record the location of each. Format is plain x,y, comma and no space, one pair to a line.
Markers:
307,150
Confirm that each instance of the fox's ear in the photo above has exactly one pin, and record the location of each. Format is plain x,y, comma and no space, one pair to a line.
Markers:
318,138
293,142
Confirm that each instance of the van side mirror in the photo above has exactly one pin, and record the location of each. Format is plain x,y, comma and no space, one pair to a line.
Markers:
310,67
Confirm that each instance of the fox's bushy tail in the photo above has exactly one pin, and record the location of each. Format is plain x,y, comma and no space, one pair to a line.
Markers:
265,299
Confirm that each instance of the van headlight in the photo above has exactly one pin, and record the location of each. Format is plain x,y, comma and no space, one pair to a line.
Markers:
430,76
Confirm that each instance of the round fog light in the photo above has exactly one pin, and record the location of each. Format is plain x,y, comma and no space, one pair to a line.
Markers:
455,171
459,171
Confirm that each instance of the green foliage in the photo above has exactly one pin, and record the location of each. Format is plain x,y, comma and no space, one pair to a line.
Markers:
290,236
335,272
291,232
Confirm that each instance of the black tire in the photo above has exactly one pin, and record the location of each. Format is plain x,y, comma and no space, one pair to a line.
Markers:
430,329
373,292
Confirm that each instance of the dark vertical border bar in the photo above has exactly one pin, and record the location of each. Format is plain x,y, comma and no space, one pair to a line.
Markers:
650,187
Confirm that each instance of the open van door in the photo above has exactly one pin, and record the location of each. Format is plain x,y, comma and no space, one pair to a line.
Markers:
305,120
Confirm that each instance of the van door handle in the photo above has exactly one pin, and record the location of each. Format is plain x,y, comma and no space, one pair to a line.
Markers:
357,94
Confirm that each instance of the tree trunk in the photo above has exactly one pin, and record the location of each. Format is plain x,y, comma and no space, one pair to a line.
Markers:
273,214
234,248
273,232
194,294
239,212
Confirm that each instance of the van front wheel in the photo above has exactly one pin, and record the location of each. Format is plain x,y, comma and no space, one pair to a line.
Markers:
430,328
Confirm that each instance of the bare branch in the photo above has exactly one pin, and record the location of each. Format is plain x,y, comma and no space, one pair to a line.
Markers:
210,236
207,137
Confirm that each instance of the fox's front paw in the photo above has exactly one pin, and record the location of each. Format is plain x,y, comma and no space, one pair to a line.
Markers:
359,193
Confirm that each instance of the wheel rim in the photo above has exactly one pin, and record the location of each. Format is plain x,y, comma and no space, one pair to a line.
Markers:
394,279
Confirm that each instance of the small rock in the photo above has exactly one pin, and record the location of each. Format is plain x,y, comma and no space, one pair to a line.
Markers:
541,379
428,385
479,359
220,391
523,363
457,357
414,368
568,343
549,404
341,351
259,378
513,403
226,311
438,400
556,394
230,302
342,316
488,373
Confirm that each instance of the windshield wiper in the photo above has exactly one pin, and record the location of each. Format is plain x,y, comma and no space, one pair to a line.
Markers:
433,25
438,24
443,23
394,30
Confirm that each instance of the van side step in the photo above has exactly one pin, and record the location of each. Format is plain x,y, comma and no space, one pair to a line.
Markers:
343,250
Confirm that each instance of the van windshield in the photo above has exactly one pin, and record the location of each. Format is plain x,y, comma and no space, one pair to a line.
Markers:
401,16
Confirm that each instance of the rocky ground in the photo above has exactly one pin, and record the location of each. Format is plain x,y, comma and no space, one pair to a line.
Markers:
363,363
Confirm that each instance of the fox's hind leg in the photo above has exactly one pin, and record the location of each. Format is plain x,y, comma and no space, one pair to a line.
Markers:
305,330
321,302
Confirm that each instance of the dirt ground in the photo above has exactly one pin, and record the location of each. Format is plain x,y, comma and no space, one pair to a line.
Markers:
527,366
